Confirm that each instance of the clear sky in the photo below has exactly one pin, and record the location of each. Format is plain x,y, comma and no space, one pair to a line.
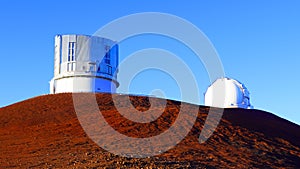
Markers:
258,43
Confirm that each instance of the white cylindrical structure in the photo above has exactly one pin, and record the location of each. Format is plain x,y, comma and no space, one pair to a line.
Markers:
236,94
84,64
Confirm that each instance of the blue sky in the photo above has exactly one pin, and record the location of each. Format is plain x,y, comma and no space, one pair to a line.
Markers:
258,43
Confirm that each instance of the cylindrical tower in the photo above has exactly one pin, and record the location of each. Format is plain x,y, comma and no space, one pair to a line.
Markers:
236,94
84,64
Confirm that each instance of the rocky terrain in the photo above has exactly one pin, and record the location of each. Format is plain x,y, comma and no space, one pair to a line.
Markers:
44,132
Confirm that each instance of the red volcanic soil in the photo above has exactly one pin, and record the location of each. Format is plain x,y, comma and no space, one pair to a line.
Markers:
44,132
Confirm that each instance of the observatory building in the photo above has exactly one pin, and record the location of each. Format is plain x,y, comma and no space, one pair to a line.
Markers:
236,95
84,64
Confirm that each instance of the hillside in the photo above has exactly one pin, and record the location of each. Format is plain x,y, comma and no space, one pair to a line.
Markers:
44,132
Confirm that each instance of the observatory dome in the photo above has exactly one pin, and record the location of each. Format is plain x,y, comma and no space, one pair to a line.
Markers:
227,93
84,63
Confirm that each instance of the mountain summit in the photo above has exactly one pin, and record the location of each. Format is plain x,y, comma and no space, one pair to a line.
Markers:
44,132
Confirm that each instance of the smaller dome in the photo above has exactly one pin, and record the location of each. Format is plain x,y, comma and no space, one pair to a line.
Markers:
227,93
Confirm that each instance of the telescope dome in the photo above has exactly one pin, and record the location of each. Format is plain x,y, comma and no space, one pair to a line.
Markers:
227,93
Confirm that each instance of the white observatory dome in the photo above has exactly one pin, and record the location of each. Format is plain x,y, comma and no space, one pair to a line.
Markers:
84,64
228,93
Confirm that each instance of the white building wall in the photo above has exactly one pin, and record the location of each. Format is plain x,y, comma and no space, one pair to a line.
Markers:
84,64
83,84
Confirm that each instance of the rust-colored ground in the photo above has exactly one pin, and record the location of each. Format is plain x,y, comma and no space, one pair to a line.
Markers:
44,132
